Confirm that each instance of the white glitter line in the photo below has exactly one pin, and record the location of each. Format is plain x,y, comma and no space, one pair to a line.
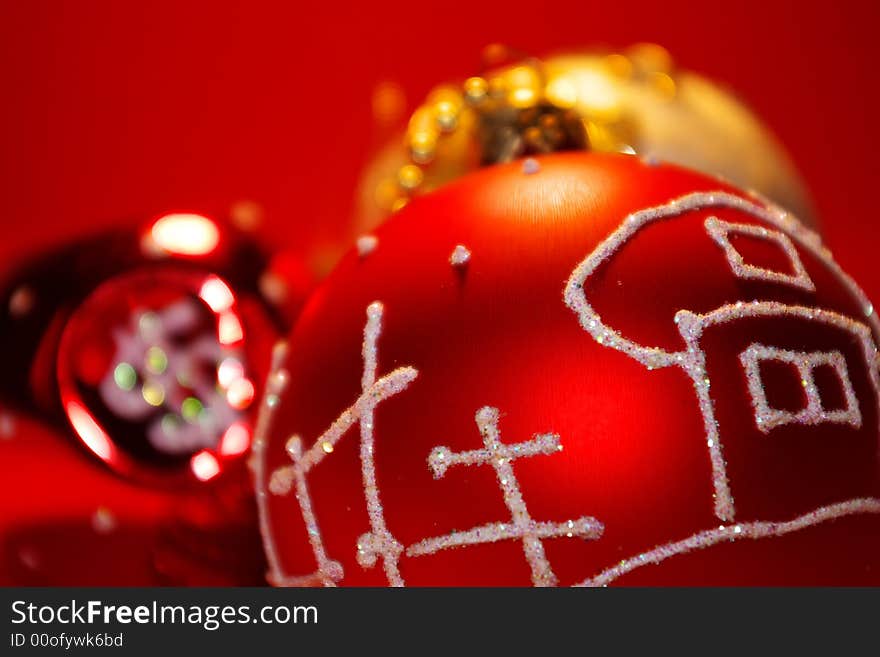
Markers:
386,387
530,532
692,326
380,541
586,528
329,571
276,381
441,458
751,530
720,230
575,298
692,359
695,365
806,363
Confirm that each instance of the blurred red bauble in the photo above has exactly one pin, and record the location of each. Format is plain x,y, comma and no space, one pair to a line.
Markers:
580,369
134,361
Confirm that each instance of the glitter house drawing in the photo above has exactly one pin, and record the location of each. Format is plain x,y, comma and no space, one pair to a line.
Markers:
840,359
759,324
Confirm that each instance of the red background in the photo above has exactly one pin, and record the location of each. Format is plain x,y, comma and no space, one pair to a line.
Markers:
113,110
116,111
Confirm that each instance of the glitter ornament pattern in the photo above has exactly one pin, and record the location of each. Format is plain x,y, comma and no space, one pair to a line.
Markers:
767,418
158,333
500,456
379,542
692,360
840,341
720,231
730,533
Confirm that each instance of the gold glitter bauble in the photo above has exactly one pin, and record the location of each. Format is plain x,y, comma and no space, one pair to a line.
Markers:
634,102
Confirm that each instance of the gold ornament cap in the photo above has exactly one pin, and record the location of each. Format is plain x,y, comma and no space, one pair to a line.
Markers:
633,102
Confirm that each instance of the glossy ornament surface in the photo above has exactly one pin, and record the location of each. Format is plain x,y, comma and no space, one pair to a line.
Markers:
134,359
156,376
579,369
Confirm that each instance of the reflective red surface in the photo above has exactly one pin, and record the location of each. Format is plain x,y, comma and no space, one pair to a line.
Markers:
635,449
134,359
156,374
119,111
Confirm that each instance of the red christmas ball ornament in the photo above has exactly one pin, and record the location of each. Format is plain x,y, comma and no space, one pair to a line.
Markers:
134,361
581,369
149,344
154,375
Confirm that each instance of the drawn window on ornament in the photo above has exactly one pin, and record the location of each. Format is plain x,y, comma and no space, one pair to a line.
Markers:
807,365
797,276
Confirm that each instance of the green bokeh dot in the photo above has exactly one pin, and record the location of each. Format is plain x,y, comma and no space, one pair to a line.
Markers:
125,376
